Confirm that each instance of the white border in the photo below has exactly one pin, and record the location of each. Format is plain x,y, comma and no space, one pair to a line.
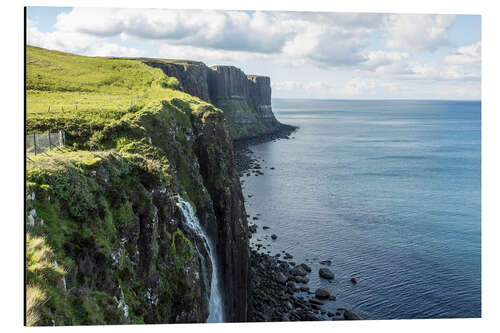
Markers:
12,165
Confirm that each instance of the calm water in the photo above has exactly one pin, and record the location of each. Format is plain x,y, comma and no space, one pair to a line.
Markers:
390,191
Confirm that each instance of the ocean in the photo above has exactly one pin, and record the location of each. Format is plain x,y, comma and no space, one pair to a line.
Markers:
389,191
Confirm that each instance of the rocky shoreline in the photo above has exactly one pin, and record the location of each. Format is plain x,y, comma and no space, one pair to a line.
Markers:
278,285
273,287
242,154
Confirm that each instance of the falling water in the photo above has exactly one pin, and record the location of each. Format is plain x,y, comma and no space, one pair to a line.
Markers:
216,312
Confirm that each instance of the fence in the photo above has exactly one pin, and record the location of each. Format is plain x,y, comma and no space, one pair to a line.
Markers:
38,143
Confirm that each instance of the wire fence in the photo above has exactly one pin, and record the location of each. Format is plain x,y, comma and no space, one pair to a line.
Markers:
38,143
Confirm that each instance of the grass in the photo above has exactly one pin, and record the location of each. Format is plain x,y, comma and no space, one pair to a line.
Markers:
64,85
64,81
35,297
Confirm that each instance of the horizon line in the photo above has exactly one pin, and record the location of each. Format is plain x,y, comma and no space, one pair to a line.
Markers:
380,99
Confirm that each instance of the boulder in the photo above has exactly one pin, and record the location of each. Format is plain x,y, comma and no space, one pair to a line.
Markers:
349,315
316,301
326,273
298,270
281,278
306,267
322,293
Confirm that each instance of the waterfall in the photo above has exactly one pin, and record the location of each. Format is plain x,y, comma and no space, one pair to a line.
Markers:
191,220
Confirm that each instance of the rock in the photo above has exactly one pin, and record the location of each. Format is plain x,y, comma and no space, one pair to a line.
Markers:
255,218
322,293
353,280
281,278
287,256
304,288
273,236
326,273
306,267
349,315
315,306
299,279
330,314
316,301
298,270
252,228
333,298
265,227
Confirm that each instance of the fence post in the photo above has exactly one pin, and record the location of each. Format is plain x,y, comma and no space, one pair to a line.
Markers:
34,141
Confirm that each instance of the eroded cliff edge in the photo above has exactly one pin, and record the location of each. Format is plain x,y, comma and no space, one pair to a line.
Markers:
106,241
245,99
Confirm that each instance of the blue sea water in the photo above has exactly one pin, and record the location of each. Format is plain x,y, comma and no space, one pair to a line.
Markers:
390,191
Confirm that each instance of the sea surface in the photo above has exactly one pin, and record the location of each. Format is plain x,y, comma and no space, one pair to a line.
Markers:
389,191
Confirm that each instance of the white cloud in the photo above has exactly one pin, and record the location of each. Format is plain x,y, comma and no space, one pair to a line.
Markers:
417,32
225,30
172,51
322,39
387,62
320,86
466,55
75,42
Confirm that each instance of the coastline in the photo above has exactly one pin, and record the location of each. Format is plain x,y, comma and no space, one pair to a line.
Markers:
276,280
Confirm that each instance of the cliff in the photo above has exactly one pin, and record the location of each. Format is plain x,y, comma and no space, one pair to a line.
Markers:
245,99
107,242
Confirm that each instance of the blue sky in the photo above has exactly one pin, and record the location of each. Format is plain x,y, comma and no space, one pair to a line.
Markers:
307,55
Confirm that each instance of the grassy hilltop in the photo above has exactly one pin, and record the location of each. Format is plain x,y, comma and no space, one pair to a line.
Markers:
64,81
105,241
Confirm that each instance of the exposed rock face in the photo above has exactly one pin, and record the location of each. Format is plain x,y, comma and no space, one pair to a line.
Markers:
192,76
245,99
231,231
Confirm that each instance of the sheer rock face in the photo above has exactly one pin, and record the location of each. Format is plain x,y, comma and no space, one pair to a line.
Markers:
230,232
192,76
245,99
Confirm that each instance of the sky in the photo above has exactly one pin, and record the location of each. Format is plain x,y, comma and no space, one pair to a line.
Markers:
306,54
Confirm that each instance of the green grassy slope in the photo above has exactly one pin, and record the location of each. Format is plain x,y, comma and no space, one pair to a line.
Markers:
64,81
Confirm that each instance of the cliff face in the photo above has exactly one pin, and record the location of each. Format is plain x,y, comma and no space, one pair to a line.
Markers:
245,99
192,76
231,234
111,218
